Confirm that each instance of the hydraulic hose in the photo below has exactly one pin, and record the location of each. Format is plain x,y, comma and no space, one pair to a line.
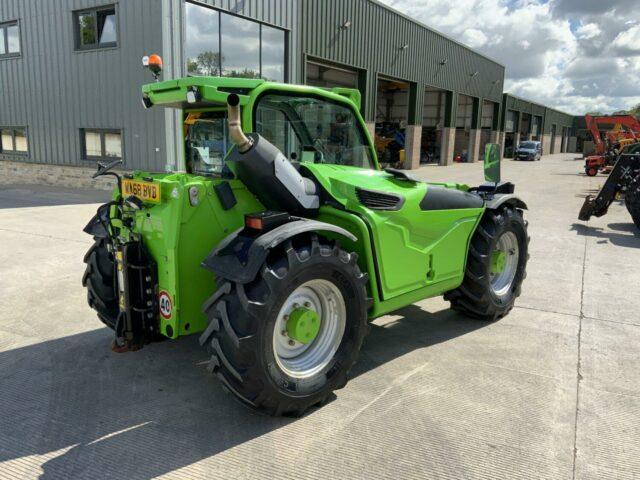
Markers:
235,126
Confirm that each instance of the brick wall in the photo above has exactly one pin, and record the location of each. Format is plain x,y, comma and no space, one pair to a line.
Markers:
42,174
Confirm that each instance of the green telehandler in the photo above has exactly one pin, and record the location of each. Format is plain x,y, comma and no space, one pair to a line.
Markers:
280,237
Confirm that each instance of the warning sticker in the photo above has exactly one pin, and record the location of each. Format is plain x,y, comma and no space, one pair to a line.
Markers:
164,301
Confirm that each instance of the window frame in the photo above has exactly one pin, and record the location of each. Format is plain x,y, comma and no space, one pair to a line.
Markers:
102,132
93,11
4,38
220,12
357,116
13,151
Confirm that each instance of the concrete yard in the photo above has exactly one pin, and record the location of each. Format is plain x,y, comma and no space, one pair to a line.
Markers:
551,391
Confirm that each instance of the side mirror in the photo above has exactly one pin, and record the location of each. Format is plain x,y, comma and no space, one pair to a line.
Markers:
492,163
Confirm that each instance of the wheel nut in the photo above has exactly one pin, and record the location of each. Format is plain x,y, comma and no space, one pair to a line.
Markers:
284,333
285,318
307,304
295,305
291,343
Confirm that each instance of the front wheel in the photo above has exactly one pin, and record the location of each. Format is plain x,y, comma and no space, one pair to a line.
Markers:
591,171
283,342
496,266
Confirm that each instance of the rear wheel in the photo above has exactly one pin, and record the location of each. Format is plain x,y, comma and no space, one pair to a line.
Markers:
99,279
632,200
591,171
496,266
283,342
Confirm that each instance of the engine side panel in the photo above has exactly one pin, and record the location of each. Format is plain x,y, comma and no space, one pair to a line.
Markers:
414,250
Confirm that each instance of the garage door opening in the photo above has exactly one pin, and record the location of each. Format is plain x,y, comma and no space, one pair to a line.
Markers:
433,115
510,123
392,114
565,138
525,126
536,128
486,125
464,114
326,76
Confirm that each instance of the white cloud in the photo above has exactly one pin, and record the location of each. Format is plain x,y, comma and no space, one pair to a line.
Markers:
474,38
576,55
588,31
628,41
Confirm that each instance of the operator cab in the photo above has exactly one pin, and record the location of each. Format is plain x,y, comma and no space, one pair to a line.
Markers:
312,129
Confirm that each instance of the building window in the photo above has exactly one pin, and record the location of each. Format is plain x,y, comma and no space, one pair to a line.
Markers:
101,144
272,48
96,28
220,44
9,39
13,140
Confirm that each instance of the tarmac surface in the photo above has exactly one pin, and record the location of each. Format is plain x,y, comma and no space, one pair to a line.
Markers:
551,391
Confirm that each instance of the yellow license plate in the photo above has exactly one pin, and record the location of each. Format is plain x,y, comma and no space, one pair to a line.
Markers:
146,191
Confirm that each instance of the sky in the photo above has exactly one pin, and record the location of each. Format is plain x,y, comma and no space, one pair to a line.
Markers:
574,55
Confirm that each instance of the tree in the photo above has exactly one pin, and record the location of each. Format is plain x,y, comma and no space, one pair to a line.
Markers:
206,63
192,66
245,73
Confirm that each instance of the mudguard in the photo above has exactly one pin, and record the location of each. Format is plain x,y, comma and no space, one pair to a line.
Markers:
240,255
97,226
500,199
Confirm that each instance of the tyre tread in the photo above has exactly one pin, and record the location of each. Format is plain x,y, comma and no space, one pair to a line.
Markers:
473,297
233,353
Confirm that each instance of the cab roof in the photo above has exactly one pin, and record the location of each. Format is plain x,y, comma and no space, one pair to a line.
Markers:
213,91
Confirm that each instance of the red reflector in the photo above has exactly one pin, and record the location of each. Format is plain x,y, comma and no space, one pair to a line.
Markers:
253,222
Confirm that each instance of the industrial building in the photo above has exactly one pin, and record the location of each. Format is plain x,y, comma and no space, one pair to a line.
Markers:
526,120
71,77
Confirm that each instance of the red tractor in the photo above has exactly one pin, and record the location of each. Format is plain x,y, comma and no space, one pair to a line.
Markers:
623,130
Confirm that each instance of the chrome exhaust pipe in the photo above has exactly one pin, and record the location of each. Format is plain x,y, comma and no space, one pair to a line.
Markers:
235,125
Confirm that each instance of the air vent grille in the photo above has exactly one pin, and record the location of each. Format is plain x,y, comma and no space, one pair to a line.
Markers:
379,200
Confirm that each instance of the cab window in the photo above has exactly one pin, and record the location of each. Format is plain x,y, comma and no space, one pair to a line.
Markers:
307,128
207,142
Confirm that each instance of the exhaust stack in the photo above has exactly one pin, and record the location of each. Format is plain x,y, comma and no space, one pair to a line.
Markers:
235,126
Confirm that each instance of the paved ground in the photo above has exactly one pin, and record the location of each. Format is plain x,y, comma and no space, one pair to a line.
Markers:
552,391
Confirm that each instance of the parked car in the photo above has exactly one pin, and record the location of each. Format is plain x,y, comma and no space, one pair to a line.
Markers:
529,150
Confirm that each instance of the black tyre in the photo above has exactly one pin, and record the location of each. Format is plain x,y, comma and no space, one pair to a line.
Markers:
496,266
632,200
99,279
252,352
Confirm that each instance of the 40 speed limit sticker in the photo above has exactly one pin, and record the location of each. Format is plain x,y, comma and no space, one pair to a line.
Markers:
164,302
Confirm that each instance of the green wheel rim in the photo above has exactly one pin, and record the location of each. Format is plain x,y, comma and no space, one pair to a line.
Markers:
309,328
504,263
